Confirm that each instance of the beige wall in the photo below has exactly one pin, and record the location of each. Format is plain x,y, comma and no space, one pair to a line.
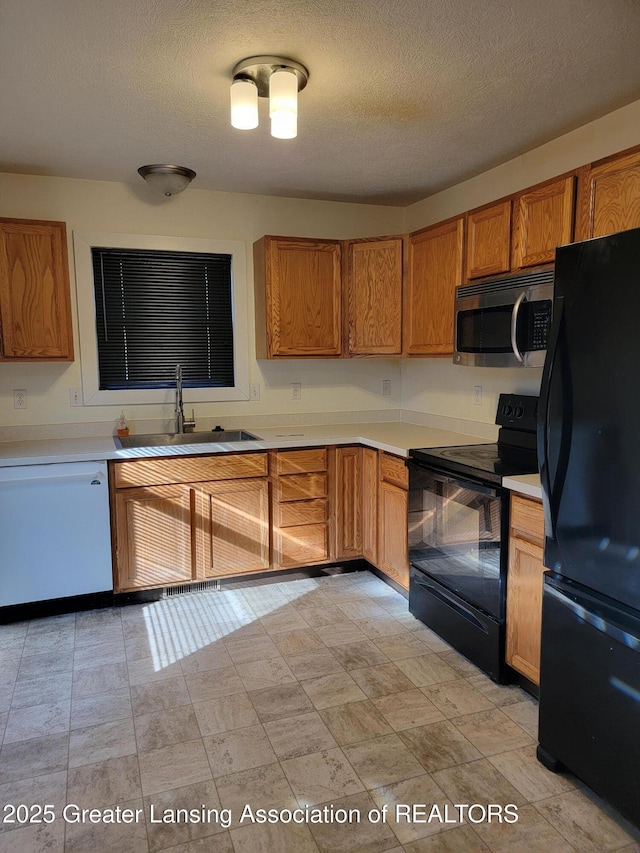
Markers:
327,386
440,387
433,386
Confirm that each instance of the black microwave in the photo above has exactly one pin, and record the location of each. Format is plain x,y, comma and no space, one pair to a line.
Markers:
504,322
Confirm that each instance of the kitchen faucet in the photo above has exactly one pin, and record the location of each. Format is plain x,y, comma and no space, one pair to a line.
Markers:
182,425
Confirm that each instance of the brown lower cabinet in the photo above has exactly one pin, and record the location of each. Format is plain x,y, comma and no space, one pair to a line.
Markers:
189,519
393,554
301,517
178,520
524,587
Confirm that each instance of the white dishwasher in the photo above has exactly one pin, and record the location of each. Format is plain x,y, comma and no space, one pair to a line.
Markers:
55,536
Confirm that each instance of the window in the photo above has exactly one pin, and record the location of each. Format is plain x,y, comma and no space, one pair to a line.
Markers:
158,309
146,304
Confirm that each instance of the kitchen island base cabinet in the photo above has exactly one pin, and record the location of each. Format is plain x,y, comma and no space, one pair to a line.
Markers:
524,587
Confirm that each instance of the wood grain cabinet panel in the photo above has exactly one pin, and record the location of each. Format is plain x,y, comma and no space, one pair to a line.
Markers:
609,196
374,277
394,470
301,461
35,305
302,507
190,469
233,527
434,270
298,297
543,220
348,502
154,537
168,532
488,240
524,587
370,505
304,545
393,557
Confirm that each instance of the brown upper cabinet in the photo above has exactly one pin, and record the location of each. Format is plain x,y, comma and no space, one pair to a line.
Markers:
521,231
35,305
542,220
488,240
298,297
434,269
609,196
374,284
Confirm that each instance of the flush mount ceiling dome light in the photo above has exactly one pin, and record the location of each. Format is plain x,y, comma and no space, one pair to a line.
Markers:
274,77
165,179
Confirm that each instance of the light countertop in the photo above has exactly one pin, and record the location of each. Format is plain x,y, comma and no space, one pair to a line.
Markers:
393,436
525,484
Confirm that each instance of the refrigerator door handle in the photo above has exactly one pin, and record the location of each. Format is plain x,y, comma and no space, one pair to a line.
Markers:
514,327
552,484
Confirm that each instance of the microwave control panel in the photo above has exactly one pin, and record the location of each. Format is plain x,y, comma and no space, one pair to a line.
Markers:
539,323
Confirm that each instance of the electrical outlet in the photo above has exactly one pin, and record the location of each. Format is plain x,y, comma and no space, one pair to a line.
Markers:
20,399
75,396
386,387
254,391
477,395
296,391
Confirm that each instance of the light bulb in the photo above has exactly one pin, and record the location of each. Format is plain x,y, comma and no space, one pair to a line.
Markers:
283,104
244,104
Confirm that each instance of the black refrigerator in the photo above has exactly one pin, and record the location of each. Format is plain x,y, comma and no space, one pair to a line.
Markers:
589,453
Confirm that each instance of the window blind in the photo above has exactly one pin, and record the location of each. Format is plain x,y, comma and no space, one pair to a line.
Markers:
156,309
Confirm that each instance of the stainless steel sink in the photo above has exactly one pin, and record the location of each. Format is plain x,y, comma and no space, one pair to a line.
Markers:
171,439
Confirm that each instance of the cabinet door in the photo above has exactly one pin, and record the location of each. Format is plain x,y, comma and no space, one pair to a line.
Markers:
434,271
298,297
374,274
393,557
348,502
35,310
609,197
524,607
154,536
370,505
488,241
543,219
232,528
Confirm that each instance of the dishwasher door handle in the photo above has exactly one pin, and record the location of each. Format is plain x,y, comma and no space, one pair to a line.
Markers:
95,479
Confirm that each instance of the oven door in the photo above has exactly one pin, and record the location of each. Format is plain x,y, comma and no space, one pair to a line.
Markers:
455,536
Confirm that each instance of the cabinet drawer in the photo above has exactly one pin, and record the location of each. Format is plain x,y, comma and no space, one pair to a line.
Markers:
301,487
192,469
527,518
303,545
394,470
301,461
301,512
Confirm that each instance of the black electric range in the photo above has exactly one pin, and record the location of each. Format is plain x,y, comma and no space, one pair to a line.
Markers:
513,454
458,533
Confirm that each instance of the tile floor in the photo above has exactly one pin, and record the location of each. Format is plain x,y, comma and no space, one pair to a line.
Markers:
296,692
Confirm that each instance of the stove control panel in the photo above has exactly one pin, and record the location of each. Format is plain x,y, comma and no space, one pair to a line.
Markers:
517,411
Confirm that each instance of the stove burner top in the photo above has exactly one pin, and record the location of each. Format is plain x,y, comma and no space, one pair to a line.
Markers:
472,452
490,462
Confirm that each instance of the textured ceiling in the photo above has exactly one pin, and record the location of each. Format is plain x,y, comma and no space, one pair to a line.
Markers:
405,97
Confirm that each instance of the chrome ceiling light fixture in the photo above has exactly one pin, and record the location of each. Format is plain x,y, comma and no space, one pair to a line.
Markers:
165,179
274,77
